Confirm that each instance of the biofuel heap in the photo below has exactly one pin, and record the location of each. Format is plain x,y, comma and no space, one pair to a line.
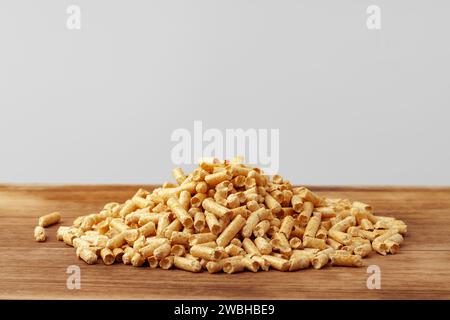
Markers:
228,217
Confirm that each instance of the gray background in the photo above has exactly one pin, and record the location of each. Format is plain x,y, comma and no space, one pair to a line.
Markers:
98,105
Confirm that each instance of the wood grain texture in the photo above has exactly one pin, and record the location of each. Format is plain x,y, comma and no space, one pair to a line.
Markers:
31,270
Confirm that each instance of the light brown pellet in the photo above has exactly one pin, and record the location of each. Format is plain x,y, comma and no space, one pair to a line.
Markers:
261,228
272,204
307,210
346,260
230,231
180,212
107,256
280,243
295,243
315,243
137,260
148,229
213,223
49,219
87,256
39,234
187,264
153,262
205,252
313,226
298,263
319,260
212,206
60,232
297,203
234,250
118,254
277,263
200,238
167,262
286,225
250,247
264,246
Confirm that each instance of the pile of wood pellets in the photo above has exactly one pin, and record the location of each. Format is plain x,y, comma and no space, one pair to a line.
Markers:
227,216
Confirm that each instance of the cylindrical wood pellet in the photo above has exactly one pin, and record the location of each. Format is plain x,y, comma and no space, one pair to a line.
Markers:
162,251
315,243
117,241
319,261
234,250
167,262
210,205
185,199
295,243
251,223
200,238
39,234
297,203
233,266
286,226
212,222
304,216
154,243
118,254
179,175
60,232
180,212
153,262
216,178
261,228
87,256
199,221
174,226
346,260
363,250
187,264
340,237
298,263
137,260
277,263
280,242
49,219
178,250
272,204
250,247
200,251
230,231
148,229
107,256
263,245
313,226
197,200
263,264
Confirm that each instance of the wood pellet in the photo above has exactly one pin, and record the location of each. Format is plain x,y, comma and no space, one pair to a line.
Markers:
228,217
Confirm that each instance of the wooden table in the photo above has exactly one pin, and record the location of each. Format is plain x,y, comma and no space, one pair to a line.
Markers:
31,270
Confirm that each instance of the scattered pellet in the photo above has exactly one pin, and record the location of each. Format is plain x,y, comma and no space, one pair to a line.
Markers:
39,234
49,219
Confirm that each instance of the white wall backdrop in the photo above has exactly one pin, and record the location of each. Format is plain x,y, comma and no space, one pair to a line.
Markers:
99,104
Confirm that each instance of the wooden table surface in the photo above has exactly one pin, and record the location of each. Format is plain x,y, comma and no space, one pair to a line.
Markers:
31,270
